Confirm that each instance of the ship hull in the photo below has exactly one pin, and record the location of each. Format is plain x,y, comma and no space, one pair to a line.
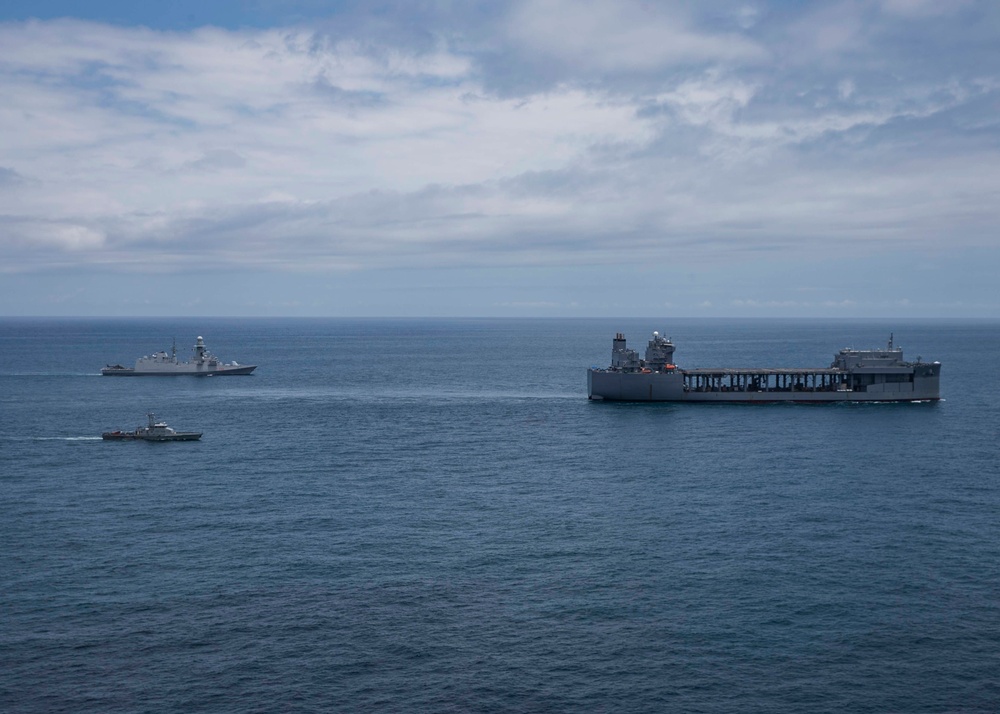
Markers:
880,375
131,436
610,385
161,364
207,372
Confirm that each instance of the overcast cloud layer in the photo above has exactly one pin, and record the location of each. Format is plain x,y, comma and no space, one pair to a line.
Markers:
512,158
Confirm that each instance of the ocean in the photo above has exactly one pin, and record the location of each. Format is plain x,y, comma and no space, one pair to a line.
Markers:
430,516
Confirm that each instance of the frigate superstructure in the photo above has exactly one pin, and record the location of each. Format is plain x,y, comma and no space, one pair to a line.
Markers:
877,375
162,364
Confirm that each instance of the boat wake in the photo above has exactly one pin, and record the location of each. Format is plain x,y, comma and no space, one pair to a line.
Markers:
50,374
51,438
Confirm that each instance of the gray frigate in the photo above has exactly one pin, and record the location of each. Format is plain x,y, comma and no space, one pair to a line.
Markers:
161,364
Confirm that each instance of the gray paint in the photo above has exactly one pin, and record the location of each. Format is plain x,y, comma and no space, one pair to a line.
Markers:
854,376
160,364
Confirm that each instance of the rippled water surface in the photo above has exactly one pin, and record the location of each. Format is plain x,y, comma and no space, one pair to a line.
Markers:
429,515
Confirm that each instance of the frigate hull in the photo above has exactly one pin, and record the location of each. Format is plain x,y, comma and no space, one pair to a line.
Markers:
161,364
182,369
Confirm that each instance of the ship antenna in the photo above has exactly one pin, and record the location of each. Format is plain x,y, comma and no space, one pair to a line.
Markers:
890,342
173,350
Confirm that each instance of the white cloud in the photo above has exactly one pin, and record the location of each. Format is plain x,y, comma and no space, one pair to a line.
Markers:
924,8
710,100
289,149
747,16
845,303
622,36
751,303
49,235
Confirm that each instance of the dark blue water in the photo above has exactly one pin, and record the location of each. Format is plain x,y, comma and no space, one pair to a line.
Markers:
429,515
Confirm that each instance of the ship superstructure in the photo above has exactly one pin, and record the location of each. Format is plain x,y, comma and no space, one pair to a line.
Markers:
853,376
162,364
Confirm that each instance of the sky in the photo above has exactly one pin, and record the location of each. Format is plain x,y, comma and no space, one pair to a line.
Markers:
546,158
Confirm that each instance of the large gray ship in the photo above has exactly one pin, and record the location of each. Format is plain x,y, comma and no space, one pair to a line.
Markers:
161,364
854,376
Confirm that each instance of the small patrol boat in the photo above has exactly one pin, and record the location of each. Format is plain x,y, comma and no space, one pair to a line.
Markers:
161,364
154,431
